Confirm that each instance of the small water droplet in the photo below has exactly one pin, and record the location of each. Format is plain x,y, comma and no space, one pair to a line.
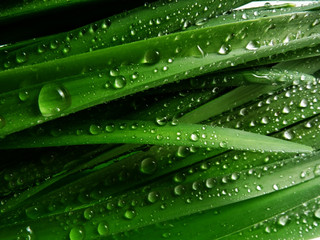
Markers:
53,99
275,187
129,214
283,220
316,170
194,137
94,129
303,103
253,45
153,197
24,95
161,121
76,233
88,213
148,166
32,212
21,57
103,229
223,144
288,135
224,49
110,128
210,182
179,190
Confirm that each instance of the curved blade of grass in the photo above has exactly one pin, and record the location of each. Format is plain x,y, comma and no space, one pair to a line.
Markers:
140,132
75,95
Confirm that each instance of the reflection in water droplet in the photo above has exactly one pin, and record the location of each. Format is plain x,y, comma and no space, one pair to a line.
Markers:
53,99
119,82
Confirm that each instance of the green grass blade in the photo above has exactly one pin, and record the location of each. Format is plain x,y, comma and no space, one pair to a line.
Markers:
139,132
75,95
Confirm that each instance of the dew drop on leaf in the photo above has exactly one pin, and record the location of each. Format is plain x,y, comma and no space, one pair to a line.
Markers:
53,99
94,129
148,166
224,49
103,229
129,214
194,137
23,96
151,57
253,45
21,57
76,233
179,190
153,197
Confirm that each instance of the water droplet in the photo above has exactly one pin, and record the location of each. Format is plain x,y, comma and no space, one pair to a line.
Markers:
316,170
253,45
32,212
103,229
153,197
303,103
275,187
287,135
110,128
223,144
264,120
21,57
151,57
317,213
119,82
224,49
148,166
210,182
196,52
179,190
53,99
129,214
76,233
88,213
94,129
161,121
23,95
283,220
194,137
286,110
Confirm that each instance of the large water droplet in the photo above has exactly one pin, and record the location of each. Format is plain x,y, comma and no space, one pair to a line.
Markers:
32,212
151,57
76,233
103,229
148,166
194,137
303,103
53,99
